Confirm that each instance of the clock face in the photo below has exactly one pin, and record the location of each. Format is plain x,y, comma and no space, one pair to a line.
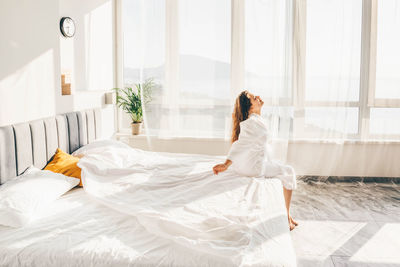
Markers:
67,26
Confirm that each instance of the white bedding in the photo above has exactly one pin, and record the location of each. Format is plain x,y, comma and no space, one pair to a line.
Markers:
79,231
177,197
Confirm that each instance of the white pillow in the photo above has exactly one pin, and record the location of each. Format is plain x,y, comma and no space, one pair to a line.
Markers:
30,192
97,146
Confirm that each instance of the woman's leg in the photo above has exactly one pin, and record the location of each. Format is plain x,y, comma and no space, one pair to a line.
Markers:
287,175
288,197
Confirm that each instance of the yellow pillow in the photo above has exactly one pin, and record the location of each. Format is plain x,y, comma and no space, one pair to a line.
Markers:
65,164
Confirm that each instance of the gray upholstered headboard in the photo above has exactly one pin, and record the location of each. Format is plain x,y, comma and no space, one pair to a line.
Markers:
35,142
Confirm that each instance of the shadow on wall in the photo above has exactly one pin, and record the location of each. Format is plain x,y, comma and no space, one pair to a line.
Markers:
29,53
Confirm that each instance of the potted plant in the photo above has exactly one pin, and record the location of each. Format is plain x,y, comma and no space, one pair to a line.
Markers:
130,100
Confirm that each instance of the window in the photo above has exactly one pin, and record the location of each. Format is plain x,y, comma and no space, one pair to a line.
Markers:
204,67
204,50
388,53
306,58
185,47
144,49
144,40
384,115
268,35
332,68
385,121
333,49
331,121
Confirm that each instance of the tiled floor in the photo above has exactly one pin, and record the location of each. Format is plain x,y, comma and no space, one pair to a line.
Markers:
347,224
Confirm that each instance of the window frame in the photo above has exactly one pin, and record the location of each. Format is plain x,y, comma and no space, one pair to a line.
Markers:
300,31
370,10
367,98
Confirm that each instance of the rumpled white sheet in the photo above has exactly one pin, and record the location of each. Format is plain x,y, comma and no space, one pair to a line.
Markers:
177,197
76,231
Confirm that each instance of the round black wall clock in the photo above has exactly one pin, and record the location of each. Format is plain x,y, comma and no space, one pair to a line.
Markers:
67,27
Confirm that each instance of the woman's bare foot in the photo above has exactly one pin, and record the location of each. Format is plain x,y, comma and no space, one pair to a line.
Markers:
291,226
292,223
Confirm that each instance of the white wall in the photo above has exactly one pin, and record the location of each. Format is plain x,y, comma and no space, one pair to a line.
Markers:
33,52
366,159
89,55
29,56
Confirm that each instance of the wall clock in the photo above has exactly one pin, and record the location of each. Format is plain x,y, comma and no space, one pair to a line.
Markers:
67,26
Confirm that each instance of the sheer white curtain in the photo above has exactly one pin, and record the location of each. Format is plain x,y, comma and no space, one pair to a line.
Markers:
185,47
328,84
385,116
203,54
327,69
332,60
343,45
144,52
268,57
351,60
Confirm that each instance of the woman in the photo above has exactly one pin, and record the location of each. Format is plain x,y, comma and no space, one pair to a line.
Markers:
249,155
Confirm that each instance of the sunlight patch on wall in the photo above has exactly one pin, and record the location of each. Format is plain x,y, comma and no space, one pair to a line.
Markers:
32,91
99,47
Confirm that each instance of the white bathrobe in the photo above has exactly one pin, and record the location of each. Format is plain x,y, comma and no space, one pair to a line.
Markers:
250,154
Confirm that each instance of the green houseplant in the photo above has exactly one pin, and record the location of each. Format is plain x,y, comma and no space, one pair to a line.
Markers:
130,100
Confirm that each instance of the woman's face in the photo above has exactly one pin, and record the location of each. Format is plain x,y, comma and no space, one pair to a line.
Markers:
256,102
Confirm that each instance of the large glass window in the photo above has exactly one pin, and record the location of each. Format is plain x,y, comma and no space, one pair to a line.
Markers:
385,121
144,40
388,50
204,49
303,60
185,47
143,24
204,67
384,117
332,67
333,120
333,49
268,36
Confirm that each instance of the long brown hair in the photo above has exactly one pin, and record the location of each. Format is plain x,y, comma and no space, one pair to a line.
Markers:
240,113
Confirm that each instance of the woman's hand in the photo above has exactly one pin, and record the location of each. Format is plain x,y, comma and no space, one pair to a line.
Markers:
219,168
222,167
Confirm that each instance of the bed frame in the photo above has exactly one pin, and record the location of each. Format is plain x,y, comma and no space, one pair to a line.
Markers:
35,142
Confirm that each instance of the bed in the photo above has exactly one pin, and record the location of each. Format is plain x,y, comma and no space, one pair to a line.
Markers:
90,227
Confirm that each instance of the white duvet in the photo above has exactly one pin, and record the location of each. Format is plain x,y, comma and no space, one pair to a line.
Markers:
76,231
177,197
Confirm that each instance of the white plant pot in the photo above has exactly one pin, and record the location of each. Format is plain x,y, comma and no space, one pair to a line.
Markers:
136,128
